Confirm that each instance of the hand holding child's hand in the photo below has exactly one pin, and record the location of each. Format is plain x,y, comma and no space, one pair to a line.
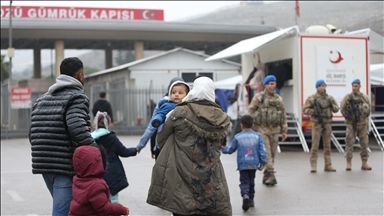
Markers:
138,150
153,156
127,210
261,168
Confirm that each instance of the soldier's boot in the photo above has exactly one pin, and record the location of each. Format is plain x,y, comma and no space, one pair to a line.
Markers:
329,168
265,177
313,168
365,166
271,179
349,164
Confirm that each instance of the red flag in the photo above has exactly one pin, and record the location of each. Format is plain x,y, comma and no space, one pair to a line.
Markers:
297,8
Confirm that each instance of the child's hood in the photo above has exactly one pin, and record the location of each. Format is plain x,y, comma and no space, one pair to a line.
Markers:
87,162
178,82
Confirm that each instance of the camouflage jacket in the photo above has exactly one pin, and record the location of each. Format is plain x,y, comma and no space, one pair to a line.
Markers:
327,104
188,177
261,111
361,103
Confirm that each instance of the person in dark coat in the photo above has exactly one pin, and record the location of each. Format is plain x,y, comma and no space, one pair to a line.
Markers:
59,124
115,173
102,105
90,191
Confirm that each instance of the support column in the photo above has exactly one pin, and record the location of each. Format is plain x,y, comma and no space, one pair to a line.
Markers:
59,52
139,50
108,58
36,63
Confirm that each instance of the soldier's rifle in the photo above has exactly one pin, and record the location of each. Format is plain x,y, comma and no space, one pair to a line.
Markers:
353,113
321,116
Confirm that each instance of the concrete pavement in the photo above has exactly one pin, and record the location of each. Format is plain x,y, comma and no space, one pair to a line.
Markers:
298,191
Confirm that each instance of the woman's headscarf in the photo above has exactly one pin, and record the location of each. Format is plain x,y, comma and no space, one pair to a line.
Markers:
203,89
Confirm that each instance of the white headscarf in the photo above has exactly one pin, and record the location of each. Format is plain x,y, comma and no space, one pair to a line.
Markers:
96,120
203,89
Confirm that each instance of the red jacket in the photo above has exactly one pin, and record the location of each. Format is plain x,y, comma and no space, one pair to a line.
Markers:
90,192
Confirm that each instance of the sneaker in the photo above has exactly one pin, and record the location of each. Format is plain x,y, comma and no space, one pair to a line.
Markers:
245,202
251,203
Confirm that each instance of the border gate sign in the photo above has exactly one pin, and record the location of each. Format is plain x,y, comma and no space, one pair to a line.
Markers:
21,98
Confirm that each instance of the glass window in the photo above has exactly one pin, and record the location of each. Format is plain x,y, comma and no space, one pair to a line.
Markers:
207,74
188,77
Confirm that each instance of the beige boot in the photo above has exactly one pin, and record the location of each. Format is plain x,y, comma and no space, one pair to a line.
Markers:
271,179
349,164
329,168
265,177
313,168
365,166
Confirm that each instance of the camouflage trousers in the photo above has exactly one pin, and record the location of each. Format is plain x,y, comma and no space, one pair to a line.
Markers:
317,133
362,133
270,143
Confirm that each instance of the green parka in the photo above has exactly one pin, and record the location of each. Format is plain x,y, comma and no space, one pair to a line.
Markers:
188,177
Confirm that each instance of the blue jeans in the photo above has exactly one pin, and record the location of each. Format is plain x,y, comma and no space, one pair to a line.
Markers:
60,187
247,183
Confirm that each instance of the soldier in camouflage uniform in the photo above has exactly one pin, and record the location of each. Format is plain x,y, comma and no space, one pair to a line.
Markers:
326,105
268,110
360,113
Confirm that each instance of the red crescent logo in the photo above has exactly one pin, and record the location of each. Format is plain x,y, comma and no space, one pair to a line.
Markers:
339,58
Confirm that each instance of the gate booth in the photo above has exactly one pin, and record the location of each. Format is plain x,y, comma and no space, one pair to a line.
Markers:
313,57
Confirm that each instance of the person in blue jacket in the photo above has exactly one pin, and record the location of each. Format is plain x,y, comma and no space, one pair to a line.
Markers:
114,174
251,155
177,90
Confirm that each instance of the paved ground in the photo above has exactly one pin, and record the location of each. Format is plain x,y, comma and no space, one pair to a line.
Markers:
298,191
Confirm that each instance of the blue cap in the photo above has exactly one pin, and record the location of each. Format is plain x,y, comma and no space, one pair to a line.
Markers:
356,81
320,82
268,79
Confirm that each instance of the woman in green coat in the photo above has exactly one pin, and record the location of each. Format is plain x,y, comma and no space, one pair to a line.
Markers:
188,177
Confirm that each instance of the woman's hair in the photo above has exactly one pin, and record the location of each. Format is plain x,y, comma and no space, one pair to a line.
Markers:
100,121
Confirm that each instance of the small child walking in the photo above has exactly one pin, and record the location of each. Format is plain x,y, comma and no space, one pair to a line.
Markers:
114,174
177,91
251,155
89,190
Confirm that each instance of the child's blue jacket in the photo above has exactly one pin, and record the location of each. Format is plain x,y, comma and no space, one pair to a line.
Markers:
159,114
250,148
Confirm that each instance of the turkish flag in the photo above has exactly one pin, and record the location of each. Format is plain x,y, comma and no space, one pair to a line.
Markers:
297,8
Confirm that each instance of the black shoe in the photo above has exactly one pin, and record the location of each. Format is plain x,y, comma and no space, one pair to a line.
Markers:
245,202
251,203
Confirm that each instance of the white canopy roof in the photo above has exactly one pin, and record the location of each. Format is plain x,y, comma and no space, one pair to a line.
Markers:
252,44
377,74
376,41
229,83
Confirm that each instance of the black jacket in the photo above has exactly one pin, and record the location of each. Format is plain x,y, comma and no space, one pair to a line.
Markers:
102,106
59,123
115,174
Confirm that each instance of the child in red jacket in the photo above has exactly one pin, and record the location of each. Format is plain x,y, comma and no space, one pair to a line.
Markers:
89,191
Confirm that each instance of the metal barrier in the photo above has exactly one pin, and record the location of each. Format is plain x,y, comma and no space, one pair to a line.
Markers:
131,109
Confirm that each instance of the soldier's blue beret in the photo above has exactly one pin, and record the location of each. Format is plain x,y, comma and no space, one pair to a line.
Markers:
268,79
356,81
320,82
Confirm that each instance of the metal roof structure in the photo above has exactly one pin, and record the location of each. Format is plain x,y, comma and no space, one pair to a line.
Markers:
130,64
118,34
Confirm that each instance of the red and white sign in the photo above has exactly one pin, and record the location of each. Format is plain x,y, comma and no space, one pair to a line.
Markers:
334,65
21,98
43,12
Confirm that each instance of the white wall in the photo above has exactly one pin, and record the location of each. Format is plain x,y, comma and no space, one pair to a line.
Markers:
182,60
160,79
